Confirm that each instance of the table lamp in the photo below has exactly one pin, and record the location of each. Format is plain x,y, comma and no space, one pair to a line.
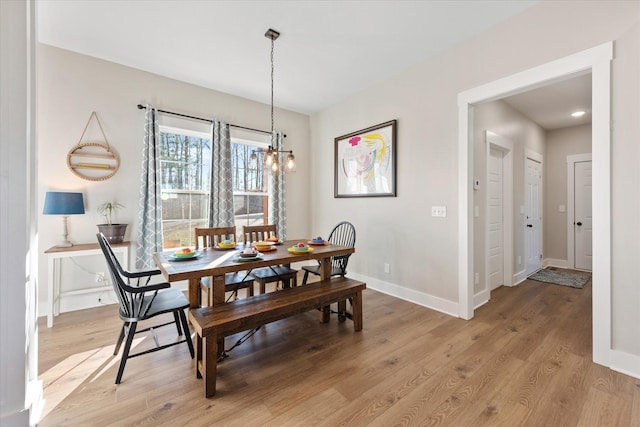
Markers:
61,203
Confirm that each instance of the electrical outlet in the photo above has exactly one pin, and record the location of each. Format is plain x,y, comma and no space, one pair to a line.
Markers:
476,278
100,277
386,267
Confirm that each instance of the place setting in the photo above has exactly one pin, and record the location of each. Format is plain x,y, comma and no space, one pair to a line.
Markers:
317,241
300,248
185,254
225,245
265,245
249,254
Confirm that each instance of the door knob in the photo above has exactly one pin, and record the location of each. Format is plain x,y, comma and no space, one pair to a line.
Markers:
530,225
578,223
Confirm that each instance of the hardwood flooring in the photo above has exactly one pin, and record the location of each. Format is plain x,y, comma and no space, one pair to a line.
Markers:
524,360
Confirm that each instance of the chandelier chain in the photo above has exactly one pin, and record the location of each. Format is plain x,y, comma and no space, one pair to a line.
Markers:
272,69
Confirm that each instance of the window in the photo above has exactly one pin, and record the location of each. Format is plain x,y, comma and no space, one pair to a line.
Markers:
249,184
185,162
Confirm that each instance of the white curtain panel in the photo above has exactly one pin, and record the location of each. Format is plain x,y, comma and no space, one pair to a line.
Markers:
221,211
277,192
150,205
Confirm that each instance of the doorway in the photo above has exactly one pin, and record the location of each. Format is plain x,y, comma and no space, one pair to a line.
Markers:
579,212
598,61
533,212
499,206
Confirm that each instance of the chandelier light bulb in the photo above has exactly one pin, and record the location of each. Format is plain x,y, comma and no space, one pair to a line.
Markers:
291,163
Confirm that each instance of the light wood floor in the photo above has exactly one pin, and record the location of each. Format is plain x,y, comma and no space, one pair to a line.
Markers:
524,360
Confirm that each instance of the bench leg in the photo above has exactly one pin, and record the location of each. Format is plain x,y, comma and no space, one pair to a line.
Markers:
209,364
356,306
198,341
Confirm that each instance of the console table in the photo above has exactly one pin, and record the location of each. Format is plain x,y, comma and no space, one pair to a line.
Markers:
54,256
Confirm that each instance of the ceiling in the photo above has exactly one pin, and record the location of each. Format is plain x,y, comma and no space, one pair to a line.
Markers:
327,50
551,106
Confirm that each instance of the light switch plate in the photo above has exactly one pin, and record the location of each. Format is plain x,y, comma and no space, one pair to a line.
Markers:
439,211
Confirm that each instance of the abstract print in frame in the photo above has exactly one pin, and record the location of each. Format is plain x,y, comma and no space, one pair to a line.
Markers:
365,162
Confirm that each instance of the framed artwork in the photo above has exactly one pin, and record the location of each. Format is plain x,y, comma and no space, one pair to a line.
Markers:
365,162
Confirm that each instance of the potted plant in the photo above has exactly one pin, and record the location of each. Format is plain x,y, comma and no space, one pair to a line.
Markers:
113,232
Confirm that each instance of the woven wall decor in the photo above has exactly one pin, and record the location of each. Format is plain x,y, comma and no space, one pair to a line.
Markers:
93,161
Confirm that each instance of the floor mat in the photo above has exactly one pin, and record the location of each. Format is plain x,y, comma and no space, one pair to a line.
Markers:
563,278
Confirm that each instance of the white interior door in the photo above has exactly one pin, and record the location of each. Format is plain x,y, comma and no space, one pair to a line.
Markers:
495,237
582,220
533,213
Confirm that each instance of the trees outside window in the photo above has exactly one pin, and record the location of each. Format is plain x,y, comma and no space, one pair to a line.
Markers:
185,162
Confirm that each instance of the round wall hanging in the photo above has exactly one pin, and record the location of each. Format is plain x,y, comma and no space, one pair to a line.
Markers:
93,161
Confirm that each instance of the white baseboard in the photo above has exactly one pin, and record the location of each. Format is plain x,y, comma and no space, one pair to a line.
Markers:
625,363
481,298
552,262
416,297
519,277
35,401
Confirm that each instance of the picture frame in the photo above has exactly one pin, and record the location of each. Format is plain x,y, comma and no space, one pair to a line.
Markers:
365,162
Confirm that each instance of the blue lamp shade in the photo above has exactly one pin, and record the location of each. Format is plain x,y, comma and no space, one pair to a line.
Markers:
59,203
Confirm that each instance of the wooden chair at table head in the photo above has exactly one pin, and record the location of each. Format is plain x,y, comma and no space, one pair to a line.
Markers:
209,238
288,276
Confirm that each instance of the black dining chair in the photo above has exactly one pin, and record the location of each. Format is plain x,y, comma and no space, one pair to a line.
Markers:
275,273
141,301
343,234
209,238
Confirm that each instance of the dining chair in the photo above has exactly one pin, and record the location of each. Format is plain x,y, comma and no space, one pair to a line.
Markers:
209,238
141,301
276,273
343,234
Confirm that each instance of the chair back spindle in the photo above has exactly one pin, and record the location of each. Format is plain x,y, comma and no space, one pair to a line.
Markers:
256,233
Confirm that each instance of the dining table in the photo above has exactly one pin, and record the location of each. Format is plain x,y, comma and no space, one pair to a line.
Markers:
215,262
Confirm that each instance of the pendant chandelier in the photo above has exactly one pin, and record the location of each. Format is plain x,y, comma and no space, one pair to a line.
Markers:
271,153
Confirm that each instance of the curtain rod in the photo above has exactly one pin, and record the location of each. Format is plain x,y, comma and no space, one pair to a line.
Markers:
141,107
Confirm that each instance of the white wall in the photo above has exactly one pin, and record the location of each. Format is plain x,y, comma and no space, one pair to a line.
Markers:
422,250
71,86
560,144
20,390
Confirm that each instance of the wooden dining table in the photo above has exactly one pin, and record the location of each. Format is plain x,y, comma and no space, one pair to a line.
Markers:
215,263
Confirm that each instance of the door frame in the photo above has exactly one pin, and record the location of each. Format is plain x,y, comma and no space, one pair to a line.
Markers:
497,142
596,60
538,158
571,164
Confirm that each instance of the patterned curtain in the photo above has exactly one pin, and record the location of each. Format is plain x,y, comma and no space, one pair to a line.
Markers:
277,193
221,211
150,204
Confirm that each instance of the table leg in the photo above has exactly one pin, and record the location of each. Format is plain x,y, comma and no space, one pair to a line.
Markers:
325,273
194,293
342,309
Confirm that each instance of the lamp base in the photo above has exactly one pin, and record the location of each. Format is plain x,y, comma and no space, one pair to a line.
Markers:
65,235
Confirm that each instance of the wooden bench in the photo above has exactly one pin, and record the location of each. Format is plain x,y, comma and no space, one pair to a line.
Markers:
214,323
